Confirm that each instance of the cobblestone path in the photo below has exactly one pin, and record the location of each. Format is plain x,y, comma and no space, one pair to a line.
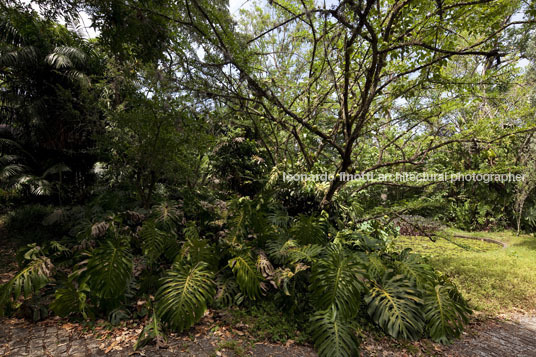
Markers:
514,338
19,338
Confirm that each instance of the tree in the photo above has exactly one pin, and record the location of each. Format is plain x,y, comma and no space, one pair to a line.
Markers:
333,80
46,102
151,136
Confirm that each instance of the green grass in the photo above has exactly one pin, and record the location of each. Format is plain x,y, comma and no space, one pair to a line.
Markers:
494,280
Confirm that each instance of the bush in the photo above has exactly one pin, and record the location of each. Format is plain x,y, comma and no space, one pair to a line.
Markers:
303,265
26,225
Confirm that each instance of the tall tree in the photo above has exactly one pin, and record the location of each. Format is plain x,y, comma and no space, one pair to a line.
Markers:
337,79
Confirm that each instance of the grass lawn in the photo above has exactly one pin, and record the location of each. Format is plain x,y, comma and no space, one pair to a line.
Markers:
493,279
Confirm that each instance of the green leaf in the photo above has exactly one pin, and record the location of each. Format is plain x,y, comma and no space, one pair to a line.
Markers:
151,331
309,229
332,336
337,280
34,276
152,241
445,312
184,294
412,266
395,306
247,276
70,299
109,269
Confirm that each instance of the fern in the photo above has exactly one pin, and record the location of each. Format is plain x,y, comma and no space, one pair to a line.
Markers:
109,269
445,312
337,281
332,336
395,307
247,276
184,295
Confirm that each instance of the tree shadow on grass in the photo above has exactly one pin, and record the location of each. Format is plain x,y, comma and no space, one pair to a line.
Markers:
528,243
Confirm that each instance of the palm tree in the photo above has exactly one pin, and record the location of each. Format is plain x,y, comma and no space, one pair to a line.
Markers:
46,105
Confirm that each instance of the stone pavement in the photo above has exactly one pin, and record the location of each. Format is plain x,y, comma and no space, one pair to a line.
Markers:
516,338
20,338
496,338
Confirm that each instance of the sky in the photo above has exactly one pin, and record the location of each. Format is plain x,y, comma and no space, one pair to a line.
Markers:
234,7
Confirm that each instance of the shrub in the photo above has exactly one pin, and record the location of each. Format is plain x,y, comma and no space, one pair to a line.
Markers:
303,264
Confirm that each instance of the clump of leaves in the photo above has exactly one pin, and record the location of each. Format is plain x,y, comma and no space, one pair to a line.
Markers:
302,265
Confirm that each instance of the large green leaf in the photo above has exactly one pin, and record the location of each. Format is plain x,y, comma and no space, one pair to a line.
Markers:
247,275
333,336
395,305
184,294
152,241
109,269
309,230
337,280
445,311
413,267
70,299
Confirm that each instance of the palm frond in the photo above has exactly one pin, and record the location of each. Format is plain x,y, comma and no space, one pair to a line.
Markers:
77,76
40,187
9,33
22,56
66,56
56,169
34,276
12,170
